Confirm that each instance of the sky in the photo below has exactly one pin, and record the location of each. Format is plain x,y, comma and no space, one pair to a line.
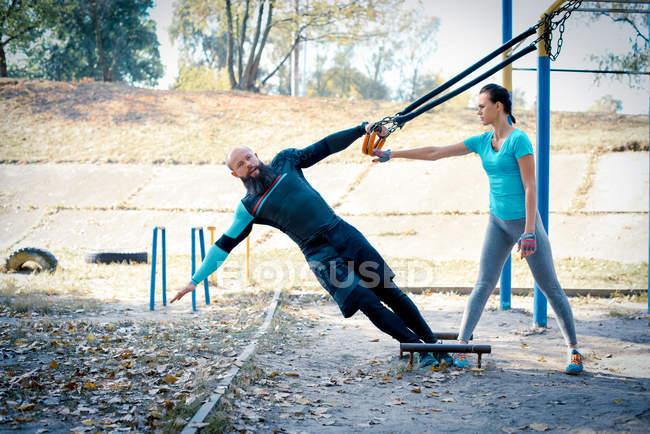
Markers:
470,29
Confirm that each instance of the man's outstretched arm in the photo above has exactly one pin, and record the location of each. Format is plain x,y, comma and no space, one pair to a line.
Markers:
329,145
219,251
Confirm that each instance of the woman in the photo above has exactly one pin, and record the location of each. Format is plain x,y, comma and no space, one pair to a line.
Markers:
507,157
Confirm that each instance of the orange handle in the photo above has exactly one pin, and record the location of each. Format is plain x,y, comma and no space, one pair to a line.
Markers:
364,147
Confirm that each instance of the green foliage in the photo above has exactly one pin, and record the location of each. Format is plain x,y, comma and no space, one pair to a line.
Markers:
344,81
20,23
607,104
114,40
202,77
237,34
637,57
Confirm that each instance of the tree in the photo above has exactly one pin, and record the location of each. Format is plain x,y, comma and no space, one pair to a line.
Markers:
201,77
636,59
344,81
107,40
245,29
607,104
21,21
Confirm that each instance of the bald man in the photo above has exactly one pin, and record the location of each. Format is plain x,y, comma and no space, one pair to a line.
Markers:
344,262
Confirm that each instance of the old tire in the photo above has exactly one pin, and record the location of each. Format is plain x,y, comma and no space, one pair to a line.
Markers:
32,258
102,257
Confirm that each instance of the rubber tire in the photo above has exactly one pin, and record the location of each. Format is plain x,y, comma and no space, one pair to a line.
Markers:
43,258
101,257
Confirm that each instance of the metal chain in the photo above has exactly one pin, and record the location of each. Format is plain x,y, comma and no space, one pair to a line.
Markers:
550,25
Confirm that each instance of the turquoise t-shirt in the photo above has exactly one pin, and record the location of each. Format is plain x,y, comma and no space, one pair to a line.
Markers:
507,196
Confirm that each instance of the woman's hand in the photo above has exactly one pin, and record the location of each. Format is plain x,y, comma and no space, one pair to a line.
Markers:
527,244
188,288
383,156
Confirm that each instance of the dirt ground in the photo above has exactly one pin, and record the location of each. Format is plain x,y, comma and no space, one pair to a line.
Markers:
330,374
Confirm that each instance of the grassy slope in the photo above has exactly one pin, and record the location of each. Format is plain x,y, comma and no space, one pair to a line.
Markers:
97,122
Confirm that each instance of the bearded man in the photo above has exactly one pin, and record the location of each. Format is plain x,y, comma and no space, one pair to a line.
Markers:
344,262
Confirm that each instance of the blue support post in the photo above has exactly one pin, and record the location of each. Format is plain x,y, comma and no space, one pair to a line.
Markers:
153,267
543,151
164,267
193,270
505,288
205,282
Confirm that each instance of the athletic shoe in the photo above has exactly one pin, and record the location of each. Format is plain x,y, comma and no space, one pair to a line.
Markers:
427,359
575,363
460,360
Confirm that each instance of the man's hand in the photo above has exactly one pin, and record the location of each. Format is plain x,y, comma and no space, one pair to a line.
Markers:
383,131
188,288
383,156
527,244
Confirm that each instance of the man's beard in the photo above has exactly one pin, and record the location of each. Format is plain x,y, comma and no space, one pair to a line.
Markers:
257,185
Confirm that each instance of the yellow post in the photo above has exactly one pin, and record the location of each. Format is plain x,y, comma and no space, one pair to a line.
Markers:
211,229
248,260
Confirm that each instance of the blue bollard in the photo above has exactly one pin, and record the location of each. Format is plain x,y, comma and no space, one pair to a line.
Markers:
154,246
205,282
202,246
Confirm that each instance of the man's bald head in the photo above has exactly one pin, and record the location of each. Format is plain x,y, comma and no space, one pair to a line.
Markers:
235,152
243,162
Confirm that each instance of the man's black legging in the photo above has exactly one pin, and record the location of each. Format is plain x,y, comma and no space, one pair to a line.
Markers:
402,321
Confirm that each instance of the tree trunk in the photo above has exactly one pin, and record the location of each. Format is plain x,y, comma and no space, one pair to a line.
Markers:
242,38
231,46
258,56
248,81
98,40
295,59
3,60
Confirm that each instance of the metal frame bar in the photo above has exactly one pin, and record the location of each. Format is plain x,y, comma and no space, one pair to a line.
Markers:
505,288
642,2
613,10
589,71
202,247
154,246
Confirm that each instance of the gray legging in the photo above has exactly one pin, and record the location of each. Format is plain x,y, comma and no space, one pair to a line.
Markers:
500,237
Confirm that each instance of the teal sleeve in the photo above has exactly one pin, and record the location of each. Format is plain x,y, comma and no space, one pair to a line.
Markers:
241,220
219,251
212,261
476,143
522,145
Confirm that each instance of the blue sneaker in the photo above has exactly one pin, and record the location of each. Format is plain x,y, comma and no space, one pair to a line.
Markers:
460,360
427,360
575,363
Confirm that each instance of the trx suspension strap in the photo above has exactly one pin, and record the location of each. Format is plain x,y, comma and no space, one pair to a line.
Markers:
373,141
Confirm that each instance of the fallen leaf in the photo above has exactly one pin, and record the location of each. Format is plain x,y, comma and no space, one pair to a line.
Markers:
416,390
27,407
291,374
53,364
170,379
618,401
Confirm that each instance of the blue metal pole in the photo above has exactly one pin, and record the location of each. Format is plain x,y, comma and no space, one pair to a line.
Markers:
543,151
153,267
193,271
205,282
164,267
505,288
